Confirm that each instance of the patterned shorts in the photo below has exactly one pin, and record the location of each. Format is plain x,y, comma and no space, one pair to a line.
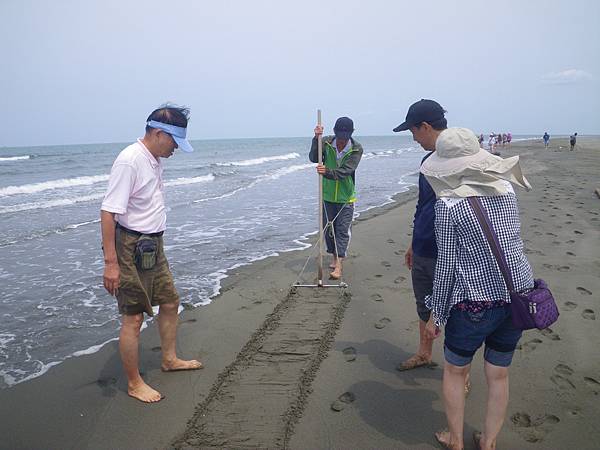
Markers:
139,290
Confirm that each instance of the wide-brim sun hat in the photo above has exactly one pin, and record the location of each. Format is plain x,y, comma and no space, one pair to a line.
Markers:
460,168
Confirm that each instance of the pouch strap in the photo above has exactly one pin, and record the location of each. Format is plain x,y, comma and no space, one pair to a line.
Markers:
492,238
137,233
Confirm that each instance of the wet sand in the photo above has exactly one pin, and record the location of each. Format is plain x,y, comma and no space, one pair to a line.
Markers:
315,368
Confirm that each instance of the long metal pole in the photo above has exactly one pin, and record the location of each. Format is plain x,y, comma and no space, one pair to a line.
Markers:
322,235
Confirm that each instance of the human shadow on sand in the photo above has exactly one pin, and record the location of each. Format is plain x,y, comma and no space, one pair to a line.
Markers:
404,415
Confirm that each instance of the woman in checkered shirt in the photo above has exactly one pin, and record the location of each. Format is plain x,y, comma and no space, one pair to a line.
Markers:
470,298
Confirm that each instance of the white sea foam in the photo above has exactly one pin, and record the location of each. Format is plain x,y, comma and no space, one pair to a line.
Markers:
263,160
49,204
14,158
88,198
269,176
53,184
285,171
77,225
192,180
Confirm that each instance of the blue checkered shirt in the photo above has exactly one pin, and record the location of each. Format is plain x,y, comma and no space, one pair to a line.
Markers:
466,270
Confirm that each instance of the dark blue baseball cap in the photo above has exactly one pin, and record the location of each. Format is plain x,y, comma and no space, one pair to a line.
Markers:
422,111
343,128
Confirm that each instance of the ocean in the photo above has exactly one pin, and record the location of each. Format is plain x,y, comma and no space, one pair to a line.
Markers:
229,203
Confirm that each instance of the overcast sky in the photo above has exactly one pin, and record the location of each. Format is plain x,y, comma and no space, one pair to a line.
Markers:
84,71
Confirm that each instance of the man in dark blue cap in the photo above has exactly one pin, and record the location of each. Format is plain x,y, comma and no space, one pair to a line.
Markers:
341,155
425,120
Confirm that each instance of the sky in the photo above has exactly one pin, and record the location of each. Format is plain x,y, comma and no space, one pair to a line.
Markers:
84,71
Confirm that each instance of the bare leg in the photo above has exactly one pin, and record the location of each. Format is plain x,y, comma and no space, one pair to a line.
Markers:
425,342
454,403
423,355
167,327
337,272
497,402
333,263
129,348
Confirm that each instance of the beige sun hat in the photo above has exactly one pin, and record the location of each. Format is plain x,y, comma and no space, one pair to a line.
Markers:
460,168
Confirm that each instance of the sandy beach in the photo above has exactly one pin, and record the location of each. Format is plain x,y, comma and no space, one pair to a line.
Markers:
315,368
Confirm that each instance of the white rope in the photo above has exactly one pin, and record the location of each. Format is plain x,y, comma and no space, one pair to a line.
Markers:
329,224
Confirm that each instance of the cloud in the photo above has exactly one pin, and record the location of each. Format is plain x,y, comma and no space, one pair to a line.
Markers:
569,76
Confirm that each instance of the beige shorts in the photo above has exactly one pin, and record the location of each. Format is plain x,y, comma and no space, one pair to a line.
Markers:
139,290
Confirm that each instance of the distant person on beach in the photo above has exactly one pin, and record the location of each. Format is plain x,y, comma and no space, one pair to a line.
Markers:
136,271
508,138
491,143
470,298
546,138
480,139
573,141
341,155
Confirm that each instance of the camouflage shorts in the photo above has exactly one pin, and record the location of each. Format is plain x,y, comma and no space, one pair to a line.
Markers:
139,290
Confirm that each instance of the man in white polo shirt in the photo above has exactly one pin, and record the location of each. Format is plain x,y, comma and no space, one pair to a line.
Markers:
133,220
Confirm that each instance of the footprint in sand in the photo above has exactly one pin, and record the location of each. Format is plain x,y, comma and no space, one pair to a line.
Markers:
377,298
583,291
378,275
577,232
108,386
569,306
551,234
562,382
547,332
570,241
386,264
569,215
343,400
530,345
564,369
349,354
588,314
156,349
571,254
391,241
593,384
382,323
188,321
398,253
531,251
538,233
399,279
534,430
568,222
106,382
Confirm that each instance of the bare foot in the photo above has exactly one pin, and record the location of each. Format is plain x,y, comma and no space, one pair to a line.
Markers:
445,439
180,364
144,393
333,264
415,361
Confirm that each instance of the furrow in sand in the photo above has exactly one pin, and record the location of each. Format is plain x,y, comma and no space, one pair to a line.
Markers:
257,400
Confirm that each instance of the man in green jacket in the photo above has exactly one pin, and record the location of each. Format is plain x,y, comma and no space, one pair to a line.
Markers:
341,155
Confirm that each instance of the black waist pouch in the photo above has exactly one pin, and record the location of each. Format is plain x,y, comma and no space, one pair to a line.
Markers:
145,253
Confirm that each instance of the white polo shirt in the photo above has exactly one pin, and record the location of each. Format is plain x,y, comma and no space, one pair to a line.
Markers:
135,190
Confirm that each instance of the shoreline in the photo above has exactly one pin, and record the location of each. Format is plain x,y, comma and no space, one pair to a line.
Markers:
304,242
294,352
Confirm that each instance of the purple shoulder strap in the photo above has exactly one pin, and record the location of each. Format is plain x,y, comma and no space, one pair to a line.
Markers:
492,238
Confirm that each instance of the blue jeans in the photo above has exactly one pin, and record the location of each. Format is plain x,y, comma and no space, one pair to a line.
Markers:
466,331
